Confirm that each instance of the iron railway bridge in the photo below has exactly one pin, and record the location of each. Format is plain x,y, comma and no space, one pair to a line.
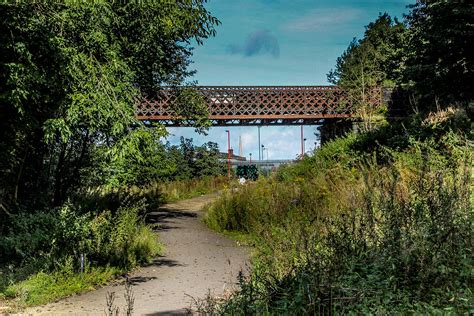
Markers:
257,105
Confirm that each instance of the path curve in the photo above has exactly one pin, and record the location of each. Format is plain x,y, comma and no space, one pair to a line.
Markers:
196,261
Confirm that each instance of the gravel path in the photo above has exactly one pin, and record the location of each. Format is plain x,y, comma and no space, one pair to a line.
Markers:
196,261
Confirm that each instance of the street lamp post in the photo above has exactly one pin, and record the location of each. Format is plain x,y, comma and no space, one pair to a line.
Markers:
250,157
228,153
263,148
304,145
302,142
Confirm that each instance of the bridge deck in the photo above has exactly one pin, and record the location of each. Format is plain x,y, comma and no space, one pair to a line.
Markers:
253,105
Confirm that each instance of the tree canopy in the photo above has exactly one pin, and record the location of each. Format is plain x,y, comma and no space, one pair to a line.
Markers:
69,77
374,61
439,63
429,56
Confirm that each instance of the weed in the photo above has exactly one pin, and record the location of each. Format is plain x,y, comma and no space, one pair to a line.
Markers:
113,310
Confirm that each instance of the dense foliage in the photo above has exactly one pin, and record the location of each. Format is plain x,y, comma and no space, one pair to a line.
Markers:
146,159
427,59
372,62
69,75
439,64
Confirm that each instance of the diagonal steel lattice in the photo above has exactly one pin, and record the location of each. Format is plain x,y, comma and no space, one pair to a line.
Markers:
239,104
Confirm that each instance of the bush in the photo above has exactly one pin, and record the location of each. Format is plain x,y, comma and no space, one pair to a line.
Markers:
105,238
44,250
108,230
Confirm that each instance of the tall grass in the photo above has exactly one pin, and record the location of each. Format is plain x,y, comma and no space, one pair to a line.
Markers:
385,232
184,189
154,194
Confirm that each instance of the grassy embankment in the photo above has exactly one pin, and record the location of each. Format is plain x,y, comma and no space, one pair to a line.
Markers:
373,223
44,249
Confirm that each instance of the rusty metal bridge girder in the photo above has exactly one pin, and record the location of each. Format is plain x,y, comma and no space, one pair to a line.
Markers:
257,105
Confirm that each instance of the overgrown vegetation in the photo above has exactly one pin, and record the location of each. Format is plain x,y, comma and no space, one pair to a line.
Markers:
58,240
379,222
76,167
351,231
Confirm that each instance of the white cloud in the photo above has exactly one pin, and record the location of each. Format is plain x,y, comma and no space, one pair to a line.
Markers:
323,19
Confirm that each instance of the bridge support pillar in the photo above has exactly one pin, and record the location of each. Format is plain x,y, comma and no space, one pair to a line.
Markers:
330,129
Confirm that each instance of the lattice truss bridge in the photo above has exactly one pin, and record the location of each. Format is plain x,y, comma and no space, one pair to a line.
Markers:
257,105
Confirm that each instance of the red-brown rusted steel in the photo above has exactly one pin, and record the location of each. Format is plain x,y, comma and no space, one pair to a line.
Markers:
248,105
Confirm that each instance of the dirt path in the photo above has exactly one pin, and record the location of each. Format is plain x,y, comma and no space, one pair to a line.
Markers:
196,260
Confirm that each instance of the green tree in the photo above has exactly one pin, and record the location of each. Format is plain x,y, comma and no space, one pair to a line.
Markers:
187,150
138,158
69,76
374,61
208,160
439,56
193,161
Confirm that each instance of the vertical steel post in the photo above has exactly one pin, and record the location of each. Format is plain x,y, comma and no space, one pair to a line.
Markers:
259,156
228,153
82,263
302,142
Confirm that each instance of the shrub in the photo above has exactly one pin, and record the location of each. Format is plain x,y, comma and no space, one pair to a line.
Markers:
45,250
41,240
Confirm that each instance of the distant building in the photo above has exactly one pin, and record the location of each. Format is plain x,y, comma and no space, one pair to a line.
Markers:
233,157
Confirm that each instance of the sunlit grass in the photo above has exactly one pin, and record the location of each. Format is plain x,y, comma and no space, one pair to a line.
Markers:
42,288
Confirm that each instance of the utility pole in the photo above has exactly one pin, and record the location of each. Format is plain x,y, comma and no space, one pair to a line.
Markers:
228,153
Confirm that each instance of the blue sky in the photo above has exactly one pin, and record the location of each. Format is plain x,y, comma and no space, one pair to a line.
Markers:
278,42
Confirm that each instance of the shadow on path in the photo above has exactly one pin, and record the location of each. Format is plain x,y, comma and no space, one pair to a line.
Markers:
165,218
164,214
140,279
163,262
175,312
